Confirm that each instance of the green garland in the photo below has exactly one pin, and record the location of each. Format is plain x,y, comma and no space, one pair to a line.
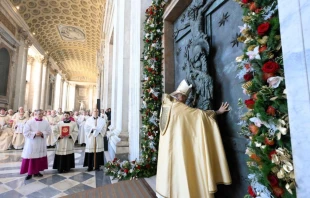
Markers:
152,89
266,121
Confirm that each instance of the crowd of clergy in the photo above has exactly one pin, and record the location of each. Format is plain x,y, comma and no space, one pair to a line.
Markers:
34,132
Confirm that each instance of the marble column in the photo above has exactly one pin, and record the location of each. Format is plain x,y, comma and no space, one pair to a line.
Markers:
98,85
108,73
57,92
27,96
71,98
91,104
47,87
136,49
36,79
20,88
101,89
295,31
118,140
44,82
64,96
61,92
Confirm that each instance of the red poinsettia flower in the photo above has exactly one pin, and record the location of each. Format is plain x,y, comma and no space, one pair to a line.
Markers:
268,141
148,166
278,191
263,28
253,128
255,158
251,191
254,96
247,66
271,111
262,48
249,103
245,1
248,76
126,170
272,153
267,75
270,67
253,6
258,10
273,180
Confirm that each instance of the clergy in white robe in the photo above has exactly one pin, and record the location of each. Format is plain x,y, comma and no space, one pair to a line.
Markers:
60,114
81,122
104,115
18,127
76,115
53,120
65,133
95,128
34,156
6,132
11,114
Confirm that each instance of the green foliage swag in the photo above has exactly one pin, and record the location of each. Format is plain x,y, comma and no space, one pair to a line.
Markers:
265,122
151,100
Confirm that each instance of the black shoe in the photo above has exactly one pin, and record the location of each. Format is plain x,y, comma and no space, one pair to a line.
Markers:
65,171
90,169
38,175
28,177
60,171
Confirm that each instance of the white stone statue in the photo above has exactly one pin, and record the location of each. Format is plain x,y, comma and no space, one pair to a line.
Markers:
82,105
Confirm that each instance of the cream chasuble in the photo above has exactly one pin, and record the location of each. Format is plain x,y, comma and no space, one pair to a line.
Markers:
18,126
191,157
53,121
6,133
65,145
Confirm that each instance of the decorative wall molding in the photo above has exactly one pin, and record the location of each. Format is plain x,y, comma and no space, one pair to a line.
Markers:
71,33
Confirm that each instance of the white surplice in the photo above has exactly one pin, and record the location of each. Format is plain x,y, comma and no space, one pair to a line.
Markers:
35,146
65,146
98,133
81,122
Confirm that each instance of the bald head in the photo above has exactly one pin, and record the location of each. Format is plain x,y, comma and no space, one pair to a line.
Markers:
21,110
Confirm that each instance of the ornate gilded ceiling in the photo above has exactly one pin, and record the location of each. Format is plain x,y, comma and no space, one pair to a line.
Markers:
69,30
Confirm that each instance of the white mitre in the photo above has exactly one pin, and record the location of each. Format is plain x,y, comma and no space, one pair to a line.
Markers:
183,88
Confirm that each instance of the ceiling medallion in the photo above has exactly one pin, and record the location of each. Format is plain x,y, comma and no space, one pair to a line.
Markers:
71,33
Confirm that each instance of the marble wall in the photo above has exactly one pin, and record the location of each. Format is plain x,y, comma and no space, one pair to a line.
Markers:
295,31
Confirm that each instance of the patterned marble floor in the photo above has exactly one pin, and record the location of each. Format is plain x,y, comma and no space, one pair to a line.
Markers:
52,184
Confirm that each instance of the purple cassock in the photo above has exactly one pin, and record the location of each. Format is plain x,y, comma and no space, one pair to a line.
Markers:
34,153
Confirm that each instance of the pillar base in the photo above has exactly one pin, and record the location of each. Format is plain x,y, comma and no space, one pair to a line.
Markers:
120,150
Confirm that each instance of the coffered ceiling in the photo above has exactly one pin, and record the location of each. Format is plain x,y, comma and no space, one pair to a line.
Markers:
69,30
